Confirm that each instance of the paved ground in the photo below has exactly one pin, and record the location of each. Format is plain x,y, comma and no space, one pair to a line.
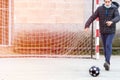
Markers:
56,69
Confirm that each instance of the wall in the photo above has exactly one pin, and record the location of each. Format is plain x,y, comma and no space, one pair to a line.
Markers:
48,11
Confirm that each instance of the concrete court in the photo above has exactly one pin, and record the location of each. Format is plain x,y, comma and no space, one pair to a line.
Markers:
56,69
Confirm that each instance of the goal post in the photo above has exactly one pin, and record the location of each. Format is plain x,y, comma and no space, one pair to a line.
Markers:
10,23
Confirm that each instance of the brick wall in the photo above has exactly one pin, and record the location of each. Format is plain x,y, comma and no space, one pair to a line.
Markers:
48,11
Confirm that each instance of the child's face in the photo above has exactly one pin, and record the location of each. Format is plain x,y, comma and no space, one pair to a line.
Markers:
107,2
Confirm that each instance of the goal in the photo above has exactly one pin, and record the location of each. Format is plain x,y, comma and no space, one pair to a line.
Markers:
50,27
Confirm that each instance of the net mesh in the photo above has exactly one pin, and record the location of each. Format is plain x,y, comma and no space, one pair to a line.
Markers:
38,35
3,22
58,40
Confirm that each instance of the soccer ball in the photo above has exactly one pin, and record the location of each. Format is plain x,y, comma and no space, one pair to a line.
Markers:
94,71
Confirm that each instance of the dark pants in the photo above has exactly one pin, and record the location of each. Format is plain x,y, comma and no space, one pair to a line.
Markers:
107,44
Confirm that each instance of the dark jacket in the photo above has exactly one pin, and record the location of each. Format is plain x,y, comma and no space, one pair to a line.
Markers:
105,14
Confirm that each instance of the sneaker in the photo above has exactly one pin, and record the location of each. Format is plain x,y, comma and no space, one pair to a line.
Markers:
106,66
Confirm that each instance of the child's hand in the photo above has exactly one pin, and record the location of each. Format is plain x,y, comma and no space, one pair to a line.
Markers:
109,23
86,29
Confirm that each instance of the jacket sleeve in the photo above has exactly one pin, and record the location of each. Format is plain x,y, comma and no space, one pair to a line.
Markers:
92,18
117,16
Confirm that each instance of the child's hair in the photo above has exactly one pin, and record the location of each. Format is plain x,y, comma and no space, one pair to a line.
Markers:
110,0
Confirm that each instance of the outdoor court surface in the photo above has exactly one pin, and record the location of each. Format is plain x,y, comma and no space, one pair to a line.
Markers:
56,69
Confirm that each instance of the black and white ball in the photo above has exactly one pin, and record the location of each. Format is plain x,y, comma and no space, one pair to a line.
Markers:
94,71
